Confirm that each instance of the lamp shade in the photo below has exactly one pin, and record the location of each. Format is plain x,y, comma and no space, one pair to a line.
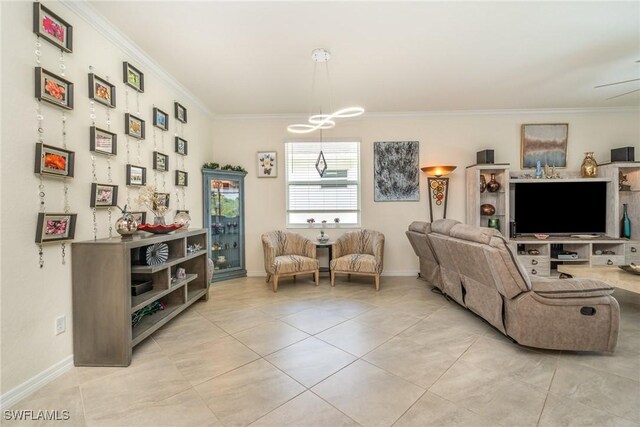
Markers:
438,170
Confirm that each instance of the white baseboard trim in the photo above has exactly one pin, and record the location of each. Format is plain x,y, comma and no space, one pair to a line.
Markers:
34,384
397,273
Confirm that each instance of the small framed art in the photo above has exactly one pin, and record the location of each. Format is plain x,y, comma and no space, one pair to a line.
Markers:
181,146
54,161
544,143
134,126
136,175
180,112
160,119
55,227
53,89
140,216
160,161
182,178
267,165
132,77
102,91
102,141
160,199
103,195
52,27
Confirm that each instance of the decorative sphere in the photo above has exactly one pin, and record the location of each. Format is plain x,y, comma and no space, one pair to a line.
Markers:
183,219
126,225
487,209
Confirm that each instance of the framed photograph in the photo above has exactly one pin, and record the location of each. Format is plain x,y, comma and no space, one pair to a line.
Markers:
55,227
103,195
267,164
160,119
102,141
132,77
160,199
52,28
54,161
136,175
544,143
160,161
180,112
181,146
53,89
140,216
396,172
133,126
102,91
182,178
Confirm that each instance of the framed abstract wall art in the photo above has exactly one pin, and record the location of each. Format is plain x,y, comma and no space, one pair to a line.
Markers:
102,91
102,141
55,227
53,89
396,171
544,143
54,161
52,27
134,126
132,77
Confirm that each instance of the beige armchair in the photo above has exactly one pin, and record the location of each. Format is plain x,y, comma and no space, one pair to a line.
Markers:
288,254
358,252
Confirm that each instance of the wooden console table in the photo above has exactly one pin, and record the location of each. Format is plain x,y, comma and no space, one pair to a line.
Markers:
611,275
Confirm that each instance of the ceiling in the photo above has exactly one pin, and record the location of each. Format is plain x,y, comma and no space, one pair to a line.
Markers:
255,57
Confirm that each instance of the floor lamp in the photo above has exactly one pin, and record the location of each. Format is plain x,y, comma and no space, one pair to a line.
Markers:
438,186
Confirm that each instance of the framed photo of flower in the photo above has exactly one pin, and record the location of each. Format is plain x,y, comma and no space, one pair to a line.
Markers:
182,178
160,119
181,146
102,141
134,126
53,161
180,112
103,195
132,77
102,91
160,200
55,227
140,216
136,175
52,27
160,161
267,165
53,89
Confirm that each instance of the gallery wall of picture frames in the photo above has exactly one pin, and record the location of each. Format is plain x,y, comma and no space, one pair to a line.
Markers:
57,161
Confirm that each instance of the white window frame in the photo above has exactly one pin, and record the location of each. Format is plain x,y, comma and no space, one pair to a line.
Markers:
359,183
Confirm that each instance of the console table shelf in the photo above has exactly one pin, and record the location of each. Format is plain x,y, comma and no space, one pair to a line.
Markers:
103,306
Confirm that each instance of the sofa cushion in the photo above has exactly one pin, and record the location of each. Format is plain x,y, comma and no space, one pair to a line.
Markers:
473,234
443,226
358,263
571,288
420,227
293,263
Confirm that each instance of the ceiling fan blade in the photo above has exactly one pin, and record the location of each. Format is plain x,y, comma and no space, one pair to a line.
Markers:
617,83
623,94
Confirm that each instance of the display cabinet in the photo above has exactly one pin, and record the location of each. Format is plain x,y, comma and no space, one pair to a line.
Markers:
224,220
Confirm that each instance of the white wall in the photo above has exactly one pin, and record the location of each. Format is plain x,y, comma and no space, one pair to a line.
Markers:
444,139
32,297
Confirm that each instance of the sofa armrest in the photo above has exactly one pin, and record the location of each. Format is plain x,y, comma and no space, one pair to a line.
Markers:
571,288
309,249
269,255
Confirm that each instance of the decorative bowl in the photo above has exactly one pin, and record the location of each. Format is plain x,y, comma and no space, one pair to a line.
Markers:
159,228
541,236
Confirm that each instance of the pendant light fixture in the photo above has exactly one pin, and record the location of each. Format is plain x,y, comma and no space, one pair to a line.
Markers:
323,121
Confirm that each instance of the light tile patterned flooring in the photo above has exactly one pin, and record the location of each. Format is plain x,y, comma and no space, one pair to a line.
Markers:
348,355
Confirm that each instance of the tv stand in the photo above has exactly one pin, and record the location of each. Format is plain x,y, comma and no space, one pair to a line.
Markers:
585,236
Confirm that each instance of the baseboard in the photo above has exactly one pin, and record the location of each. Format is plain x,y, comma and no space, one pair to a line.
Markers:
397,273
34,384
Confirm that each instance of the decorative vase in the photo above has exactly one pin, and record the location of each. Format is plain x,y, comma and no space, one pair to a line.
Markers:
589,167
625,223
322,237
487,209
493,185
159,220
126,225
483,183
494,223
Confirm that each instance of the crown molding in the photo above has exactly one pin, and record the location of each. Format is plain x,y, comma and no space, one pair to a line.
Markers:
101,24
417,114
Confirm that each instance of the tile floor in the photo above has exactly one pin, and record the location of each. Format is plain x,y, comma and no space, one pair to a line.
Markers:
348,355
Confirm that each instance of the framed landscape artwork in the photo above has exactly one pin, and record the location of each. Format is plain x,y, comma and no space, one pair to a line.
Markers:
160,119
267,165
182,178
181,146
544,143
102,141
134,126
180,112
53,89
55,227
136,175
52,27
396,171
160,161
53,161
103,195
132,77
102,91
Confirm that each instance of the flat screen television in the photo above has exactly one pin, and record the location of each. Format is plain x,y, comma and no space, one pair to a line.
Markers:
560,208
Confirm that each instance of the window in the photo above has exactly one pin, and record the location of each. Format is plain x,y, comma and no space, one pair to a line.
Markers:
335,195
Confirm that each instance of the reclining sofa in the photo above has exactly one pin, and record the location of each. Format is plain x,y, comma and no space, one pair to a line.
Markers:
475,267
